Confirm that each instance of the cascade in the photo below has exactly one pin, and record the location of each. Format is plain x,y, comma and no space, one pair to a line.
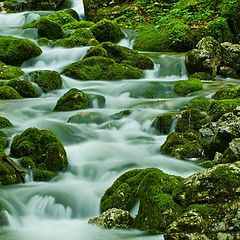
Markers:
97,154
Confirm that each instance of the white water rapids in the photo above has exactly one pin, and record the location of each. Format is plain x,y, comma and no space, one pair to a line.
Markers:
97,155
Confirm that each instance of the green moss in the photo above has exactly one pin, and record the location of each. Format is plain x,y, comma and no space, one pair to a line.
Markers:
73,13
190,119
27,163
184,87
200,103
7,173
3,140
47,4
4,122
49,29
107,31
24,88
80,24
8,72
15,51
172,35
91,117
46,79
7,92
42,146
101,68
164,123
220,107
43,175
226,93
72,100
202,76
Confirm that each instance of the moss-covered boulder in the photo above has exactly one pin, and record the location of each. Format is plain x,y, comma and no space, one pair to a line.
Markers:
226,93
7,72
88,118
190,119
202,76
74,99
46,79
205,58
107,31
101,68
42,147
79,24
200,103
14,51
121,54
3,137
216,136
207,221
152,188
47,4
4,122
172,35
220,107
184,87
7,92
8,174
182,145
81,37
49,29
113,218
24,88
216,184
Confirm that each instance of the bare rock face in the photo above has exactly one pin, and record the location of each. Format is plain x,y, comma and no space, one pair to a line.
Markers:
113,218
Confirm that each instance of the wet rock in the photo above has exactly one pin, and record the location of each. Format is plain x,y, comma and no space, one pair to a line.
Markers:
107,31
4,122
226,93
7,72
24,88
207,222
184,87
3,138
81,37
152,188
49,29
74,99
46,79
200,103
96,101
232,153
215,136
91,117
113,218
46,4
7,92
217,184
121,54
101,68
227,72
42,147
14,51
202,76
205,58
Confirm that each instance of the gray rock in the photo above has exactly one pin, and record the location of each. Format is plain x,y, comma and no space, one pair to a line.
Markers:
113,218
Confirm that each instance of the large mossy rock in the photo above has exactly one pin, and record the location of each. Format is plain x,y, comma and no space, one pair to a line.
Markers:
152,188
24,88
7,72
121,54
46,79
107,31
208,222
226,93
7,92
184,87
172,35
205,58
49,29
74,99
43,148
4,122
101,68
14,51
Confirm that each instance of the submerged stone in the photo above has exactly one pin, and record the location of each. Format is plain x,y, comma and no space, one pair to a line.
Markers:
7,92
14,51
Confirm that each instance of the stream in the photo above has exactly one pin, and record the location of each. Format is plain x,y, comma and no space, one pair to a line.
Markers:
97,153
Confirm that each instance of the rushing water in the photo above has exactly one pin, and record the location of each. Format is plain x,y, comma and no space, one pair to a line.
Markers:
97,154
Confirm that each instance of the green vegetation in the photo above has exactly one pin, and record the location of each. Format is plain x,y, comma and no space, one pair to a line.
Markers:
7,92
8,72
184,87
